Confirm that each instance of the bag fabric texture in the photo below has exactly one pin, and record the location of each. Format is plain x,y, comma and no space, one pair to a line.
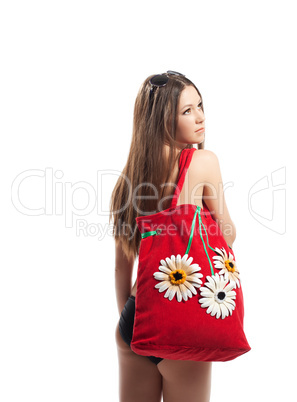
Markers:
189,301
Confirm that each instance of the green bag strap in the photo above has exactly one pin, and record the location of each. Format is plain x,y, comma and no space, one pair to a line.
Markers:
153,232
192,230
198,210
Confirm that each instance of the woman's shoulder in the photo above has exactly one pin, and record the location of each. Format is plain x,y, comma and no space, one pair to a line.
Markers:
205,165
202,156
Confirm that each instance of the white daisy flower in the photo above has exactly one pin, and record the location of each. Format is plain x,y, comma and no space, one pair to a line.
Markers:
218,297
227,265
178,277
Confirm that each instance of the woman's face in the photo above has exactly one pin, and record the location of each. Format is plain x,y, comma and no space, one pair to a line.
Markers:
190,118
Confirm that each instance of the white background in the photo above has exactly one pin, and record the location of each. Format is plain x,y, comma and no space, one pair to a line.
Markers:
70,72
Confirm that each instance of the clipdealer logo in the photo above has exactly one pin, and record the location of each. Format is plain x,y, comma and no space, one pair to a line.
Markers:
271,189
58,198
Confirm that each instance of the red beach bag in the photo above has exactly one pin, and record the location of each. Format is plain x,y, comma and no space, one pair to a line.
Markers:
189,301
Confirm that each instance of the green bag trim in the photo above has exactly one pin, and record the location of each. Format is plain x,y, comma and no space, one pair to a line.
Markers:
147,234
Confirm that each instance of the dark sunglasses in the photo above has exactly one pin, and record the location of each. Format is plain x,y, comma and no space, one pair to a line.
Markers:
160,80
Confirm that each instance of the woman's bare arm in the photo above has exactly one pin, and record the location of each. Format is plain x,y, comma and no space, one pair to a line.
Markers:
213,194
123,276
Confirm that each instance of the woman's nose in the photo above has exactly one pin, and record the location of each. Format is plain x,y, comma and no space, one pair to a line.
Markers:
200,116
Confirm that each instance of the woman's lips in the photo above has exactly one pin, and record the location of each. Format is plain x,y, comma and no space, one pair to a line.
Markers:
200,129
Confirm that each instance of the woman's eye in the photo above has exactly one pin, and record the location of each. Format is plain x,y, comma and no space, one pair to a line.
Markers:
189,110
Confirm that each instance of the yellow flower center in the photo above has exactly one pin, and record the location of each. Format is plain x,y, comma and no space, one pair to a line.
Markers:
230,266
177,277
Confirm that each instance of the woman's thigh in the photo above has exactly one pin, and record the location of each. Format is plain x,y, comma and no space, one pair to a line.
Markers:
139,378
185,380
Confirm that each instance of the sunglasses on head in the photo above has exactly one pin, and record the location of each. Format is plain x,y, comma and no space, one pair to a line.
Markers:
160,80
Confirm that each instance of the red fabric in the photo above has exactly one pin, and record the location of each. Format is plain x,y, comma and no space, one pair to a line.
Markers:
182,330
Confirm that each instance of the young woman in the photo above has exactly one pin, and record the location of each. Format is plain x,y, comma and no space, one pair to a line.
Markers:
168,117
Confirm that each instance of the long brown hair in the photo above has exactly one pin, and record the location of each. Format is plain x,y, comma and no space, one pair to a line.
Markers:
140,188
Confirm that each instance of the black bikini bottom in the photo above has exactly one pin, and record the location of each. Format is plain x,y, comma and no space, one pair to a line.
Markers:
126,325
